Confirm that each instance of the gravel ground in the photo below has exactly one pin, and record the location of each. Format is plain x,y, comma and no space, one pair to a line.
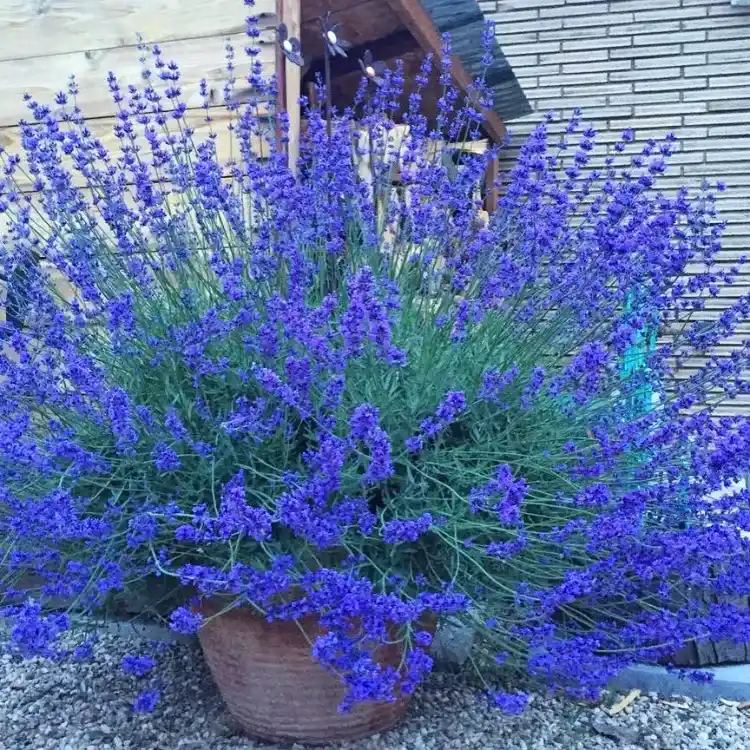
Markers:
86,706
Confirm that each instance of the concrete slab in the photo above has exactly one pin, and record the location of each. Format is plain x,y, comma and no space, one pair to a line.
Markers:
149,631
731,682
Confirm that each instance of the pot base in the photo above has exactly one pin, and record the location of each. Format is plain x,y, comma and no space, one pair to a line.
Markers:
275,689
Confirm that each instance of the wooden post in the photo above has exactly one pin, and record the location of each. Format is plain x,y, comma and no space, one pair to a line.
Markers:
312,96
291,15
280,76
490,188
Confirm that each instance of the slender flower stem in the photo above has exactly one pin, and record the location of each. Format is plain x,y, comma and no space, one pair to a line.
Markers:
329,91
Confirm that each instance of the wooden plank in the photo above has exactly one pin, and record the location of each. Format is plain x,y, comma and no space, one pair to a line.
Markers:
103,129
39,28
417,20
43,77
40,223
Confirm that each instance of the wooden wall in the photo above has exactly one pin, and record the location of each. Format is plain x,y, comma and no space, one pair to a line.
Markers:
44,42
655,66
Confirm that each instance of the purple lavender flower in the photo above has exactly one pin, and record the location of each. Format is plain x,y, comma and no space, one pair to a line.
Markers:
453,404
488,42
414,444
119,410
237,517
447,411
364,421
510,703
505,550
418,665
185,620
278,379
366,428
495,382
533,387
138,666
165,458
146,701
34,632
503,494
398,531
701,676
174,424
142,528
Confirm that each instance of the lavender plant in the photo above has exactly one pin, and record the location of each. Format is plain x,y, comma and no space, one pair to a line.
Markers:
299,391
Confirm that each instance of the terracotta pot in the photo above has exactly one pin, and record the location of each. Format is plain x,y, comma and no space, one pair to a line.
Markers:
275,689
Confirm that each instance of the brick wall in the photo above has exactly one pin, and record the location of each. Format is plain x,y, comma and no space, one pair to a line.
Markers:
654,65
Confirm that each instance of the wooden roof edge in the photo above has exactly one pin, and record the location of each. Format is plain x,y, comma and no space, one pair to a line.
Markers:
419,22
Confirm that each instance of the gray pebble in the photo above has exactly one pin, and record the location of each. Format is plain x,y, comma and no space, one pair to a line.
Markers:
87,705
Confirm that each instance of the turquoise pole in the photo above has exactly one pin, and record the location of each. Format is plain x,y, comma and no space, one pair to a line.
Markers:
635,359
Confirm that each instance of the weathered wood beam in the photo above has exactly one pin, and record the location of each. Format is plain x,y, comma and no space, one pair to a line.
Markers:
418,21
291,15
313,9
